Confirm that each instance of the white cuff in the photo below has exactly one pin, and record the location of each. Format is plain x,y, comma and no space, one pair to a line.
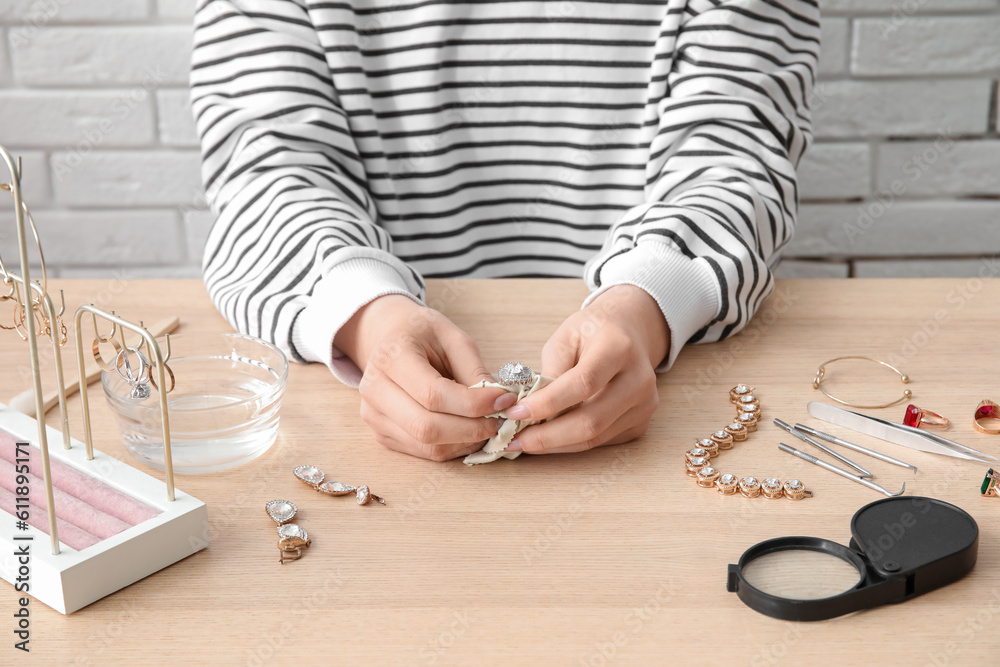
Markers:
685,289
347,288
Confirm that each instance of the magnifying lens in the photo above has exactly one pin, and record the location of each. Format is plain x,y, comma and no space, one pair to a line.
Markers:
900,548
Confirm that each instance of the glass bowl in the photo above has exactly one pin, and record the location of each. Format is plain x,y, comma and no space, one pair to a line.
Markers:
223,409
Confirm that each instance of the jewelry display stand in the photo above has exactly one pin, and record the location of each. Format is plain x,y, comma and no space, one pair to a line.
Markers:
172,524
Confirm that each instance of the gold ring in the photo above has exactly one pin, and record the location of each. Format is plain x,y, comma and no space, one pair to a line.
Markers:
918,418
987,418
167,374
96,348
991,483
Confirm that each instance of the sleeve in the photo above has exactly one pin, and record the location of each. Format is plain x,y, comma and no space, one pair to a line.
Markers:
295,250
721,194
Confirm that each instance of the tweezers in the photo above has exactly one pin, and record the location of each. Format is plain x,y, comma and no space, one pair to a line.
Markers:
899,434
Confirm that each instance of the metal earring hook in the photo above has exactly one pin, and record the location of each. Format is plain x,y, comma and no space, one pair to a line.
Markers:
142,339
62,304
97,333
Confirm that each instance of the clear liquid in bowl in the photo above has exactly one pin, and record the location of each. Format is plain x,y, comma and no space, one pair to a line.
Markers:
223,411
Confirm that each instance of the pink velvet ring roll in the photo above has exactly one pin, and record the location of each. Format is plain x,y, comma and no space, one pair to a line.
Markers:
75,483
68,507
72,536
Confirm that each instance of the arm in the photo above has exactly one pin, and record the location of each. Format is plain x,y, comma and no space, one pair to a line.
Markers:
296,256
721,200
721,192
281,171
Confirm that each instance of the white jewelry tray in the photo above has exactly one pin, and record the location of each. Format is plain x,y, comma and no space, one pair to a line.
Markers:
72,579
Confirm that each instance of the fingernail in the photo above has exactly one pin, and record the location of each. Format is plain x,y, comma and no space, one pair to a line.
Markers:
514,446
520,411
503,402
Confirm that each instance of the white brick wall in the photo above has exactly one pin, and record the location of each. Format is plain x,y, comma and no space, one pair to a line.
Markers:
903,180
904,177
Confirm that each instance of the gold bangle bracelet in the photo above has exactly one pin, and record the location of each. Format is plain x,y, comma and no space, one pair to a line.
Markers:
821,375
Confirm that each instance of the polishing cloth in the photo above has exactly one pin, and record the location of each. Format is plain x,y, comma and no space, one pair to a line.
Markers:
495,446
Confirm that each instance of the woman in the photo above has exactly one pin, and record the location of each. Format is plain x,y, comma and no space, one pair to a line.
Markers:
350,148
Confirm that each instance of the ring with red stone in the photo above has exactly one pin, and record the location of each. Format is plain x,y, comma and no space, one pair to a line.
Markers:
749,420
737,430
696,453
723,439
739,390
695,464
772,488
918,418
748,403
707,476
987,418
727,484
750,487
709,445
796,490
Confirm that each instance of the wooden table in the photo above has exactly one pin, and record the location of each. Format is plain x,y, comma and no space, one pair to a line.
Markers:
613,556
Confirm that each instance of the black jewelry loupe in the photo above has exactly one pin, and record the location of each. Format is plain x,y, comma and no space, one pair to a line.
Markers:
900,547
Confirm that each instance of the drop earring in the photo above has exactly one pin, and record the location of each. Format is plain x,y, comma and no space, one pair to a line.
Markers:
292,538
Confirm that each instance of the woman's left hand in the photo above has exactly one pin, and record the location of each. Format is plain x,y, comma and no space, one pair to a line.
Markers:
603,359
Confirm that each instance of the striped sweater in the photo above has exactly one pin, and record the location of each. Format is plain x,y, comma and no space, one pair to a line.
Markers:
351,148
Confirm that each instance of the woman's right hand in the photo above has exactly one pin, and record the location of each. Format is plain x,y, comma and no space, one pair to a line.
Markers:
417,366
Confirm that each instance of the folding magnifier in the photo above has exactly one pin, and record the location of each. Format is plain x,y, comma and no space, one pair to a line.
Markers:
900,548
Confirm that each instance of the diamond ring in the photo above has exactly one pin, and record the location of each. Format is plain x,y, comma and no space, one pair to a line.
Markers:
514,373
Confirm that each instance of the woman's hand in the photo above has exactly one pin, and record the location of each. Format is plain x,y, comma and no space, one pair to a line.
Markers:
417,367
603,358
